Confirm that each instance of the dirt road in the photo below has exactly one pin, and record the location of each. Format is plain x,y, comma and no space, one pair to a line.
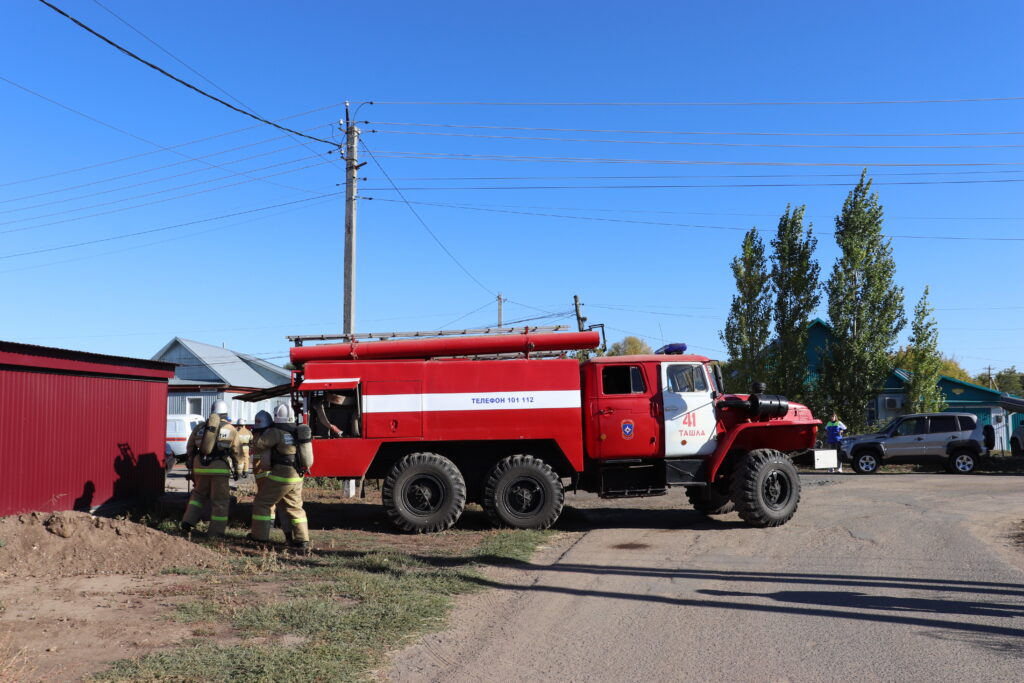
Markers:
884,577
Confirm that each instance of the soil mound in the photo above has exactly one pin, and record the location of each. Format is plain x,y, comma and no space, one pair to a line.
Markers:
76,543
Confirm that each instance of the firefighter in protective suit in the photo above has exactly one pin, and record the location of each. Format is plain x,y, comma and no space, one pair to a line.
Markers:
280,451
213,454
244,439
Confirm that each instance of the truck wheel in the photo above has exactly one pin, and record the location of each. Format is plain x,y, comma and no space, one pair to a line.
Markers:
709,500
523,492
866,462
424,492
961,462
765,488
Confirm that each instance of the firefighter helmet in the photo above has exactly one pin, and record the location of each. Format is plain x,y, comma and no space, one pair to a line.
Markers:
284,414
262,420
220,407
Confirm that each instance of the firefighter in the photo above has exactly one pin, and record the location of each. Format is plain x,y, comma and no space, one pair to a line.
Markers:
279,455
213,454
244,439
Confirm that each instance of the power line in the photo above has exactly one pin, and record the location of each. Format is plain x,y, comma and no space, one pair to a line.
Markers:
160,149
133,135
145,245
848,174
167,227
694,186
156,192
156,168
168,53
681,132
202,92
723,213
148,182
683,162
690,143
703,104
424,224
158,201
466,315
684,225
671,187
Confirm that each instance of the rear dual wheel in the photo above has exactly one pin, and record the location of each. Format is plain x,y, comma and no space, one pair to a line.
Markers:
523,492
424,492
710,500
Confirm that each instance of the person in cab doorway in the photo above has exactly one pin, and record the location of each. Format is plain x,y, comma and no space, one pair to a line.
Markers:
333,402
834,431
213,453
285,452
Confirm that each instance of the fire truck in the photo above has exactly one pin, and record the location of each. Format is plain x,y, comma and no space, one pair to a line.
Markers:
493,419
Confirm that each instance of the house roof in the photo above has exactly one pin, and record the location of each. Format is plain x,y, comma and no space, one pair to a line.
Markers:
232,367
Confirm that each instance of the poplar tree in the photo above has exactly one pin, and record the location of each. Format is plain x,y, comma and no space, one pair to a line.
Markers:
865,308
923,362
794,285
746,333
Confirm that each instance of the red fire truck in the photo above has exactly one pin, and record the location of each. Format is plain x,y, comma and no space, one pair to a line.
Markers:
450,420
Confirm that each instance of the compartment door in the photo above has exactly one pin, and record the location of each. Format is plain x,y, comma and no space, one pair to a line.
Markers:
392,408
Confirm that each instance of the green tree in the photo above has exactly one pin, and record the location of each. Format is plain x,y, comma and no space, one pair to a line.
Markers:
1009,380
630,346
865,308
794,284
951,368
746,333
923,362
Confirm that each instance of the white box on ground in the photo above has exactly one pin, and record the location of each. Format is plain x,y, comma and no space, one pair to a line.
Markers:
826,459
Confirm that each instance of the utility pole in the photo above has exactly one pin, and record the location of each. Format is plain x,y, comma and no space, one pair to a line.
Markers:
499,308
351,179
579,316
991,381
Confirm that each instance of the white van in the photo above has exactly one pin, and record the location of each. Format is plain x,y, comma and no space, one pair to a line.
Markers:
179,427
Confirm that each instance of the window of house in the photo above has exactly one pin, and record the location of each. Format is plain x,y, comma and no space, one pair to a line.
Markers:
194,406
622,379
942,423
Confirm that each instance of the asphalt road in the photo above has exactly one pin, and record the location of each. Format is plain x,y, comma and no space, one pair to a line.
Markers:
890,577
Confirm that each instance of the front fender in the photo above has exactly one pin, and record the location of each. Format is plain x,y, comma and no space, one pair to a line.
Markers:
780,435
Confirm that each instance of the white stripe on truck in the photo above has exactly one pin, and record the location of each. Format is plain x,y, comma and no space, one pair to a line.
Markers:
483,400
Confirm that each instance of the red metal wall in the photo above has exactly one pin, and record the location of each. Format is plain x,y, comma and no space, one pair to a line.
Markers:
74,441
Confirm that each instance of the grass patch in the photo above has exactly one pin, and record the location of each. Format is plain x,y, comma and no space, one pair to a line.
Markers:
185,571
348,608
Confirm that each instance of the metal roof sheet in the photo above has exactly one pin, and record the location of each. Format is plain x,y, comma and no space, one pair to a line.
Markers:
230,366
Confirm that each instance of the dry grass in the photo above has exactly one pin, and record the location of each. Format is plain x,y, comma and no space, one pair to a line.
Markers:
14,663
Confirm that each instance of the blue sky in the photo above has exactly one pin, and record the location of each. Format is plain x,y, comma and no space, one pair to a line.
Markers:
656,264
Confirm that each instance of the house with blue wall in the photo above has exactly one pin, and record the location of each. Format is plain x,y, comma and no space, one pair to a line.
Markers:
1001,410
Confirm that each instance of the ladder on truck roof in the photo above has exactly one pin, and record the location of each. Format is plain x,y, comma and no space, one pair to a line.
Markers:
298,339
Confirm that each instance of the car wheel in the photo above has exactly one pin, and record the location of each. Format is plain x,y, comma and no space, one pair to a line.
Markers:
1015,449
866,462
961,462
424,492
